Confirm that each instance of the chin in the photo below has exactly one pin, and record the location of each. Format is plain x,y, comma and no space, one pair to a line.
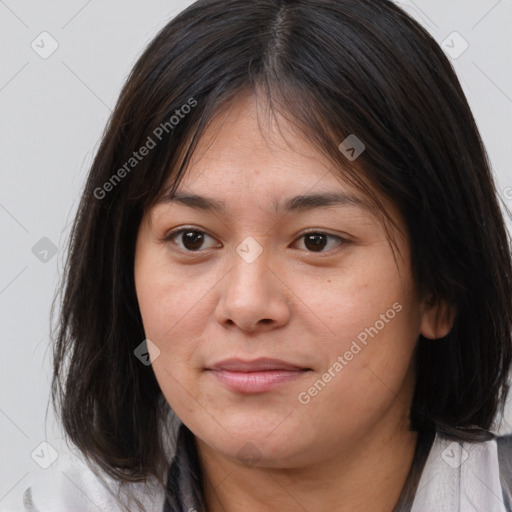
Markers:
259,448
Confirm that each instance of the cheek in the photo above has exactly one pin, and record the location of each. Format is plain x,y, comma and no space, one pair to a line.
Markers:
373,321
364,379
366,294
172,315
171,300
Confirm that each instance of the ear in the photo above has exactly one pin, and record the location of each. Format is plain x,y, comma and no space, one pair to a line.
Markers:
438,318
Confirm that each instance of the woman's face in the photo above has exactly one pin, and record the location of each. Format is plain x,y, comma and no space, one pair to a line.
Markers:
245,281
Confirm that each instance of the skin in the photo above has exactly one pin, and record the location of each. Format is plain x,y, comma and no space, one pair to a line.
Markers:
349,447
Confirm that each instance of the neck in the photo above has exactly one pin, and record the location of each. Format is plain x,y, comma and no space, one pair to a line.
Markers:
367,475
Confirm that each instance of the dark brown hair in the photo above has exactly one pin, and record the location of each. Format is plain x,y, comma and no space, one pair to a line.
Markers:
333,68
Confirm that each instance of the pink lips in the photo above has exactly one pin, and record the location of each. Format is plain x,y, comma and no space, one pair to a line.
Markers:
255,376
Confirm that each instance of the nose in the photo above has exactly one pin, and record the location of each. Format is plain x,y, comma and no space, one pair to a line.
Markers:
254,297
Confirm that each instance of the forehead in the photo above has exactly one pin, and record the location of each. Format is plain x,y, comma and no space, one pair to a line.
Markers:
244,151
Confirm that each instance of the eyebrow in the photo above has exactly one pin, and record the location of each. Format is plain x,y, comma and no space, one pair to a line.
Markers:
300,203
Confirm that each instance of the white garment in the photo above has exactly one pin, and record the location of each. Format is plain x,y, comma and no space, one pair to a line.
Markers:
74,487
457,477
460,477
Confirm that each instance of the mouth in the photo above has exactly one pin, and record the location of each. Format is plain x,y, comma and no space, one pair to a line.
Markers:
256,376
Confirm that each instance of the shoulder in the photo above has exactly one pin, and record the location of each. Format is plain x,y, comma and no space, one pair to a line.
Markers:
504,446
73,485
469,476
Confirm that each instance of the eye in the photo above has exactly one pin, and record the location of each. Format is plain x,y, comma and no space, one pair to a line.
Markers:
316,241
191,239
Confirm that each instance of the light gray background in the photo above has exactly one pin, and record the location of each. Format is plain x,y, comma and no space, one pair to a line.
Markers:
53,112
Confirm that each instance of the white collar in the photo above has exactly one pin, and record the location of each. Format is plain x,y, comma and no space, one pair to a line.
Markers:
460,477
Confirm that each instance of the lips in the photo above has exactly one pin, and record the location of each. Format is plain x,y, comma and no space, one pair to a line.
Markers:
256,376
256,365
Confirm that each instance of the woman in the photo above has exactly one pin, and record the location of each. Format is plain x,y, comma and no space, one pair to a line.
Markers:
289,280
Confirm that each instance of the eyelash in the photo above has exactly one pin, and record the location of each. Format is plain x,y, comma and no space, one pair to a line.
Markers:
174,234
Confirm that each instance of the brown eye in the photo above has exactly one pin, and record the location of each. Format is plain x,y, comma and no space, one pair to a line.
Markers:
190,240
317,241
